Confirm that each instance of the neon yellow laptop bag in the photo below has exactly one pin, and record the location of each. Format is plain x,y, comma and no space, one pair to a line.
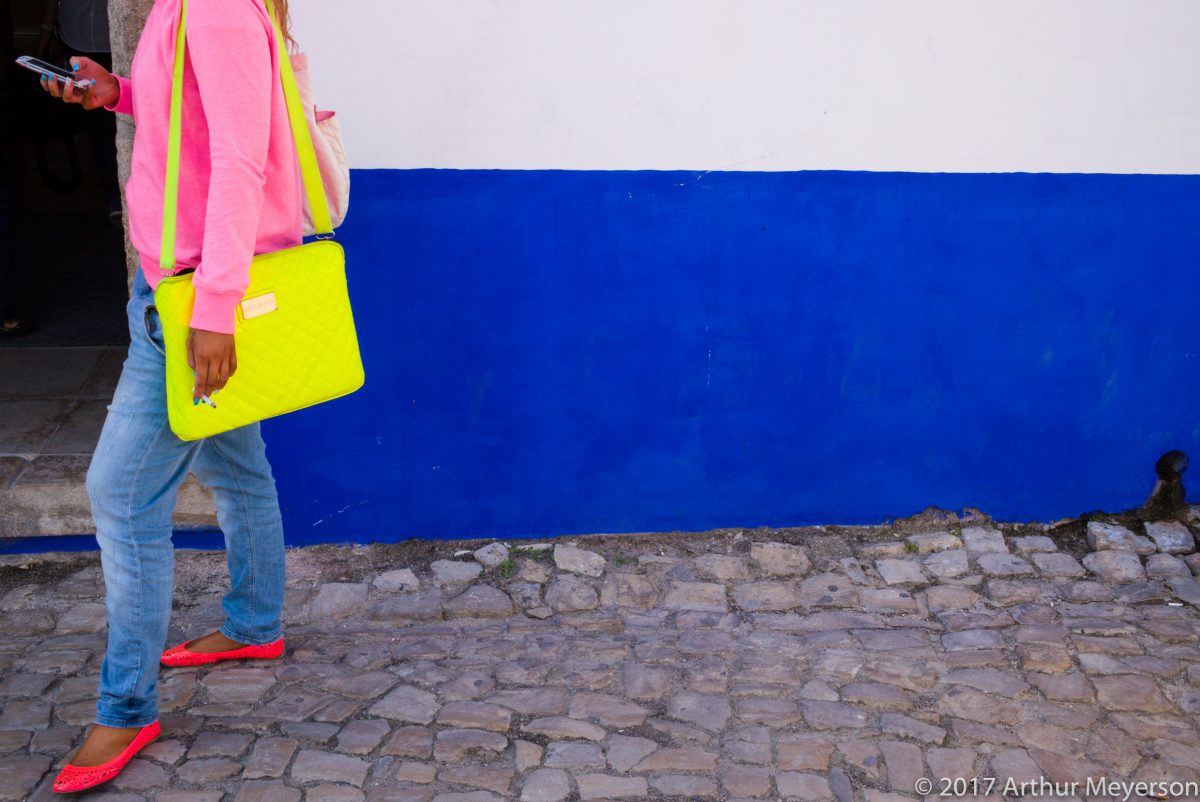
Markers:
294,332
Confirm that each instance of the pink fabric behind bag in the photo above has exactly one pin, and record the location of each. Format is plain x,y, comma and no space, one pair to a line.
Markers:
331,152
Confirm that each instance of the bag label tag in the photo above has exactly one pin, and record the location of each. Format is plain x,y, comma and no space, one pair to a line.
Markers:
258,305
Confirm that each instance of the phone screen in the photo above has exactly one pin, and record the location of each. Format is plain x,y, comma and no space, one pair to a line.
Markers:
37,65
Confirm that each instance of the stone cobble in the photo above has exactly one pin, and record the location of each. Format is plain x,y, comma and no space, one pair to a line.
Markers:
730,667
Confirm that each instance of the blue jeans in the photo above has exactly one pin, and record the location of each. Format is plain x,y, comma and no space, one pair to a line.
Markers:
133,481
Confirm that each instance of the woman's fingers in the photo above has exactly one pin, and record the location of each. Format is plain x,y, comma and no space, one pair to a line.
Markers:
215,358
92,73
81,88
212,375
68,92
216,375
222,375
86,70
201,386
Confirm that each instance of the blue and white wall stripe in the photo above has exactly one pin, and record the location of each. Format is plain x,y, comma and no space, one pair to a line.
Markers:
675,265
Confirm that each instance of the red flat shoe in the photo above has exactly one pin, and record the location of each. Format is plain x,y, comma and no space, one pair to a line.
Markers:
80,778
181,656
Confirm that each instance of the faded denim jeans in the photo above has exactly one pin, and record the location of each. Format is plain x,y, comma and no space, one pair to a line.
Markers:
133,481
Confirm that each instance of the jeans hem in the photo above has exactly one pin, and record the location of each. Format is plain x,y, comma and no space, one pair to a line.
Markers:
124,723
250,640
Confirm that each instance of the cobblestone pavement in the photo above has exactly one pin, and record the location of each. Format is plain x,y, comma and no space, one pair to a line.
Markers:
714,666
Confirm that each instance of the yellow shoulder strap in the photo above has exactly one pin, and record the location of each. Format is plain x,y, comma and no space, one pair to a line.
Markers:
310,172
166,253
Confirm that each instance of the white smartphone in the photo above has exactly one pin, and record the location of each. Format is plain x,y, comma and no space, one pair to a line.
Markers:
46,68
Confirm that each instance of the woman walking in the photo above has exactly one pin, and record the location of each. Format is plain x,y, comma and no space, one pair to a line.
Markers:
240,195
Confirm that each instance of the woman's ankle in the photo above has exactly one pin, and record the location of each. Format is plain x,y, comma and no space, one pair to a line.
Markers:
102,744
214,642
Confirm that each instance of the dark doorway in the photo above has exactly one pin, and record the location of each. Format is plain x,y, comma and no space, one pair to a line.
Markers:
64,235
65,265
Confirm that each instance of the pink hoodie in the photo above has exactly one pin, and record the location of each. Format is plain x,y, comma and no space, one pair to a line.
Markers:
239,181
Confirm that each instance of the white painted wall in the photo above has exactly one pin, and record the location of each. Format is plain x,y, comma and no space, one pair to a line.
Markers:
916,85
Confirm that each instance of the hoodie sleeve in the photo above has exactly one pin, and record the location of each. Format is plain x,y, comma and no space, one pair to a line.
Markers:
124,104
230,49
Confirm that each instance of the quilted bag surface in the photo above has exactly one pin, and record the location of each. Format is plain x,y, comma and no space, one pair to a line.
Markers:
294,330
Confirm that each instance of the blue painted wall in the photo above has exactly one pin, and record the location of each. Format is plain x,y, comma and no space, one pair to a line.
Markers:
555,352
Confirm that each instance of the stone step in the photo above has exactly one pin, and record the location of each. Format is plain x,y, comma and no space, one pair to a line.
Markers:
53,402
46,496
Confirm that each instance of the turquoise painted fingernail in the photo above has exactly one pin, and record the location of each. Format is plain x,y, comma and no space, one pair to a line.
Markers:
195,402
74,66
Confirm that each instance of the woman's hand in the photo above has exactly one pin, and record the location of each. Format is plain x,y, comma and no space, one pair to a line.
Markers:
213,357
92,88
